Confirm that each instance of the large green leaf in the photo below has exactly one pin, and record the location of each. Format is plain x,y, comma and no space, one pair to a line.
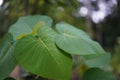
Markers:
75,41
39,55
25,25
7,61
99,60
97,74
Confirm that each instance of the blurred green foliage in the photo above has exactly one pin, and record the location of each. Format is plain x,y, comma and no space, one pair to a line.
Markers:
59,10
116,57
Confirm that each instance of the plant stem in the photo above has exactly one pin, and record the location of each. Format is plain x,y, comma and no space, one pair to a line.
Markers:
36,77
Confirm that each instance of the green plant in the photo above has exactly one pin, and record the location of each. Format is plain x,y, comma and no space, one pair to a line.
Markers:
46,51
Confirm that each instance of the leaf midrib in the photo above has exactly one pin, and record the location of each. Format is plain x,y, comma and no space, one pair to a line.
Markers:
49,51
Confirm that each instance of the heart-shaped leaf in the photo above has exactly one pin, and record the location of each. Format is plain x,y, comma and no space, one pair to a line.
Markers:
75,41
7,61
39,55
25,25
97,74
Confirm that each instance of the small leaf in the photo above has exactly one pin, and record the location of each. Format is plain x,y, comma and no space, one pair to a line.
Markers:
25,25
7,61
97,74
75,41
31,21
39,55
19,30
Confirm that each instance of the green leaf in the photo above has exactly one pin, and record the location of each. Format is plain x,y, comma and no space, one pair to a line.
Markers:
97,74
7,61
39,55
100,60
31,21
19,30
25,25
75,41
